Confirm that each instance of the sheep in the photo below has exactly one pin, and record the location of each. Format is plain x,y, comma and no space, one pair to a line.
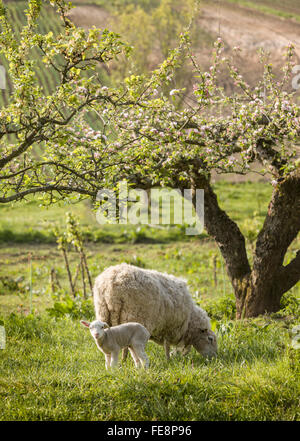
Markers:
159,301
111,340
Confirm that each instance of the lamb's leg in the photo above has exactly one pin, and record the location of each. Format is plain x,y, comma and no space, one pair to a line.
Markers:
174,352
124,353
114,359
135,357
107,361
140,352
167,349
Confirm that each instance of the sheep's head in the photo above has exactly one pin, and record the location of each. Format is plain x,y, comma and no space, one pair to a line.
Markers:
200,334
205,342
96,328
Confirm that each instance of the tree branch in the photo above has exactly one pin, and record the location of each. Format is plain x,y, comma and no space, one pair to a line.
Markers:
17,152
280,228
47,188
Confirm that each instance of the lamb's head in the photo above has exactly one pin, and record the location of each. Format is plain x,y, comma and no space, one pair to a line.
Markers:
202,337
96,328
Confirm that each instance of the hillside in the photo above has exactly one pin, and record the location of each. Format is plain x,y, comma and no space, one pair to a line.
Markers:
251,25
48,21
268,24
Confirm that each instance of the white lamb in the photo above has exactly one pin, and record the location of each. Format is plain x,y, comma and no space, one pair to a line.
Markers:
111,340
161,302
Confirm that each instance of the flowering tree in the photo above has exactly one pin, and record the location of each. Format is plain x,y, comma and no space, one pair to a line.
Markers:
46,145
48,148
180,148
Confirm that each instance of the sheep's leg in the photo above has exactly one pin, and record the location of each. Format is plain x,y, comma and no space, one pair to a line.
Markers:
186,350
140,352
114,359
167,349
135,357
107,361
124,353
182,350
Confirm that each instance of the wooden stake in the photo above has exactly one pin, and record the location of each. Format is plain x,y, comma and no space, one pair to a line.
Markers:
215,271
68,270
54,280
30,282
83,279
87,271
76,275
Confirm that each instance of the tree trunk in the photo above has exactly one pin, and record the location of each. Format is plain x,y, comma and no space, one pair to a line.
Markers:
258,290
270,279
251,302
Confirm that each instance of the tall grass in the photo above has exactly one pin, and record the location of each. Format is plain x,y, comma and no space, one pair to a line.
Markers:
30,222
52,370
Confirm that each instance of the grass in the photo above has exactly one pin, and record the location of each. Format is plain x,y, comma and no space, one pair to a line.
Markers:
50,368
28,228
38,222
191,260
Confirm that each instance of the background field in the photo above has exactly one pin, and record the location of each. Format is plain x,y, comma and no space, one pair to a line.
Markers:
249,24
51,369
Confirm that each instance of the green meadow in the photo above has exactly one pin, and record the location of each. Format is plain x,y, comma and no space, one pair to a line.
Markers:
50,369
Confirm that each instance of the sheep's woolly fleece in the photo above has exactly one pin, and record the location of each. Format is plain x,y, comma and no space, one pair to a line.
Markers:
161,302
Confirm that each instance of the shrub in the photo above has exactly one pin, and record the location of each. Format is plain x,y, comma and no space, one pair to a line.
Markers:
27,327
75,308
221,308
136,261
290,304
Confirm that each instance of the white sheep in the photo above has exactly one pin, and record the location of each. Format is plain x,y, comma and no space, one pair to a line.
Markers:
161,302
111,340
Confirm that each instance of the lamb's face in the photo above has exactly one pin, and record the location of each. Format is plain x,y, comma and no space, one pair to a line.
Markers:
206,343
97,329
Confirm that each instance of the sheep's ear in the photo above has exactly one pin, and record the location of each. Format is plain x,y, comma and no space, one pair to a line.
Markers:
105,325
86,324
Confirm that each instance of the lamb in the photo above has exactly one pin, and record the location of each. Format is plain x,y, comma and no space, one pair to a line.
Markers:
111,340
160,302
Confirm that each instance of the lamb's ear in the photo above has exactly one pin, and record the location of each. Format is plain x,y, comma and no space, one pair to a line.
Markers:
105,325
84,323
